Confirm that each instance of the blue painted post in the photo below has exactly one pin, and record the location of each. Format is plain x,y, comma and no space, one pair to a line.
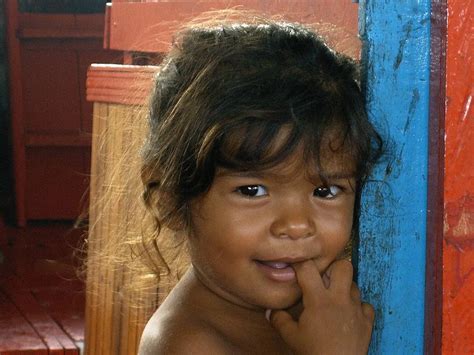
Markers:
391,261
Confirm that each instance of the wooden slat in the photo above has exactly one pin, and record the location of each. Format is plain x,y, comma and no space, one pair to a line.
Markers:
57,140
458,246
93,274
17,335
37,25
57,342
61,33
114,322
150,26
122,84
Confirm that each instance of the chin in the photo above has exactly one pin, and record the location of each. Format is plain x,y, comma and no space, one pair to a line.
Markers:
285,301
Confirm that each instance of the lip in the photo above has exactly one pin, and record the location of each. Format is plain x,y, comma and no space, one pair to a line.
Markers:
279,269
280,273
287,259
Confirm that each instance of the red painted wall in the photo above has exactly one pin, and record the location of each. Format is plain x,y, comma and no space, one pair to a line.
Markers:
458,248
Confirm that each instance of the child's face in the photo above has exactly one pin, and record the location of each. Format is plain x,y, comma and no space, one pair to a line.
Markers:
250,227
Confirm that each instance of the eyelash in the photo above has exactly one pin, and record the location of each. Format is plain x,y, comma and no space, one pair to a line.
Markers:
251,190
325,192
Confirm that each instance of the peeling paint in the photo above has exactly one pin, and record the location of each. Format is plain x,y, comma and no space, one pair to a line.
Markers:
459,220
411,109
401,46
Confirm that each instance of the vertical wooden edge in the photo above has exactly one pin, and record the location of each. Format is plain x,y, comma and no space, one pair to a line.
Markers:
128,58
395,80
90,286
108,9
16,114
434,238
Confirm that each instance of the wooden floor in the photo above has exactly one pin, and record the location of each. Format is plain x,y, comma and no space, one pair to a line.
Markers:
41,297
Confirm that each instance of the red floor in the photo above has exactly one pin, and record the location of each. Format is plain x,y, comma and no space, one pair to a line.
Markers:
41,297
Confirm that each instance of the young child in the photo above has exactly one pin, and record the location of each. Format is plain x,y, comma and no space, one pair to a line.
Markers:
259,147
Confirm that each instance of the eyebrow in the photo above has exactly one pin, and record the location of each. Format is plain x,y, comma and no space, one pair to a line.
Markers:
337,175
243,174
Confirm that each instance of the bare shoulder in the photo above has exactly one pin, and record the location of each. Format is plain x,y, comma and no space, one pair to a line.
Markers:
168,334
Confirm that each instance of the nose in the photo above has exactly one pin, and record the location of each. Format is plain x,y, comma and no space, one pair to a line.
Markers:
293,220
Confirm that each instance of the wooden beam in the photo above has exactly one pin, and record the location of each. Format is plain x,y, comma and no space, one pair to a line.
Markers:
396,59
121,84
150,26
458,248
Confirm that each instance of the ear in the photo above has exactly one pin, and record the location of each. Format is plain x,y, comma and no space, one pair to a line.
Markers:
179,220
176,223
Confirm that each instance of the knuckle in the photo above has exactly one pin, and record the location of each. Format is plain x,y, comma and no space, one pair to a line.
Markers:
355,290
343,268
346,266
369,311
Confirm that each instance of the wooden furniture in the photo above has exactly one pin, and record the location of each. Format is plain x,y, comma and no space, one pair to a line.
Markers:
51,120
119,93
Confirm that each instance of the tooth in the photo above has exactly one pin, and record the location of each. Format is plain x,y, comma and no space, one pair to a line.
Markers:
276,264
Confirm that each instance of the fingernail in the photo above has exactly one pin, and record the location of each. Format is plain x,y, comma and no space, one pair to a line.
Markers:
268,313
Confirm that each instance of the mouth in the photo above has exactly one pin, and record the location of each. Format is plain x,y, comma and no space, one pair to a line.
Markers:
278,270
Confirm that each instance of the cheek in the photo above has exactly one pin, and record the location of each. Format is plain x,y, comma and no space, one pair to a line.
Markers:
218,240
336,230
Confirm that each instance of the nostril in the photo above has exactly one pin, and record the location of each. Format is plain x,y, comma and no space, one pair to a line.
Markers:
296,232
294,223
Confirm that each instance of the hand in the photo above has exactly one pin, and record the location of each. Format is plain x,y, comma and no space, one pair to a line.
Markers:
333,321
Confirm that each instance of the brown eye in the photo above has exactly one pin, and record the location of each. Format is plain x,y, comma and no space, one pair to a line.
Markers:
327,192
252,190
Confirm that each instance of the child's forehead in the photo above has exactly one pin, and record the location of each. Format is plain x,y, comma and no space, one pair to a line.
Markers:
330,166
287,151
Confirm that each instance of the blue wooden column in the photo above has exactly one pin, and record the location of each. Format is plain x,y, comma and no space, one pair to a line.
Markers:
391,260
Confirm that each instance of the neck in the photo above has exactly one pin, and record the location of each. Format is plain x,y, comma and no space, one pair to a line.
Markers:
237,323
221,304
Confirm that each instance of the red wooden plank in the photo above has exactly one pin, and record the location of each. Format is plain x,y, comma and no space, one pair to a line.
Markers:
58,33
66,306
149,27
458,248
39,20
57,140
51,174
47,329
51,88
124,84
16,334
73,25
